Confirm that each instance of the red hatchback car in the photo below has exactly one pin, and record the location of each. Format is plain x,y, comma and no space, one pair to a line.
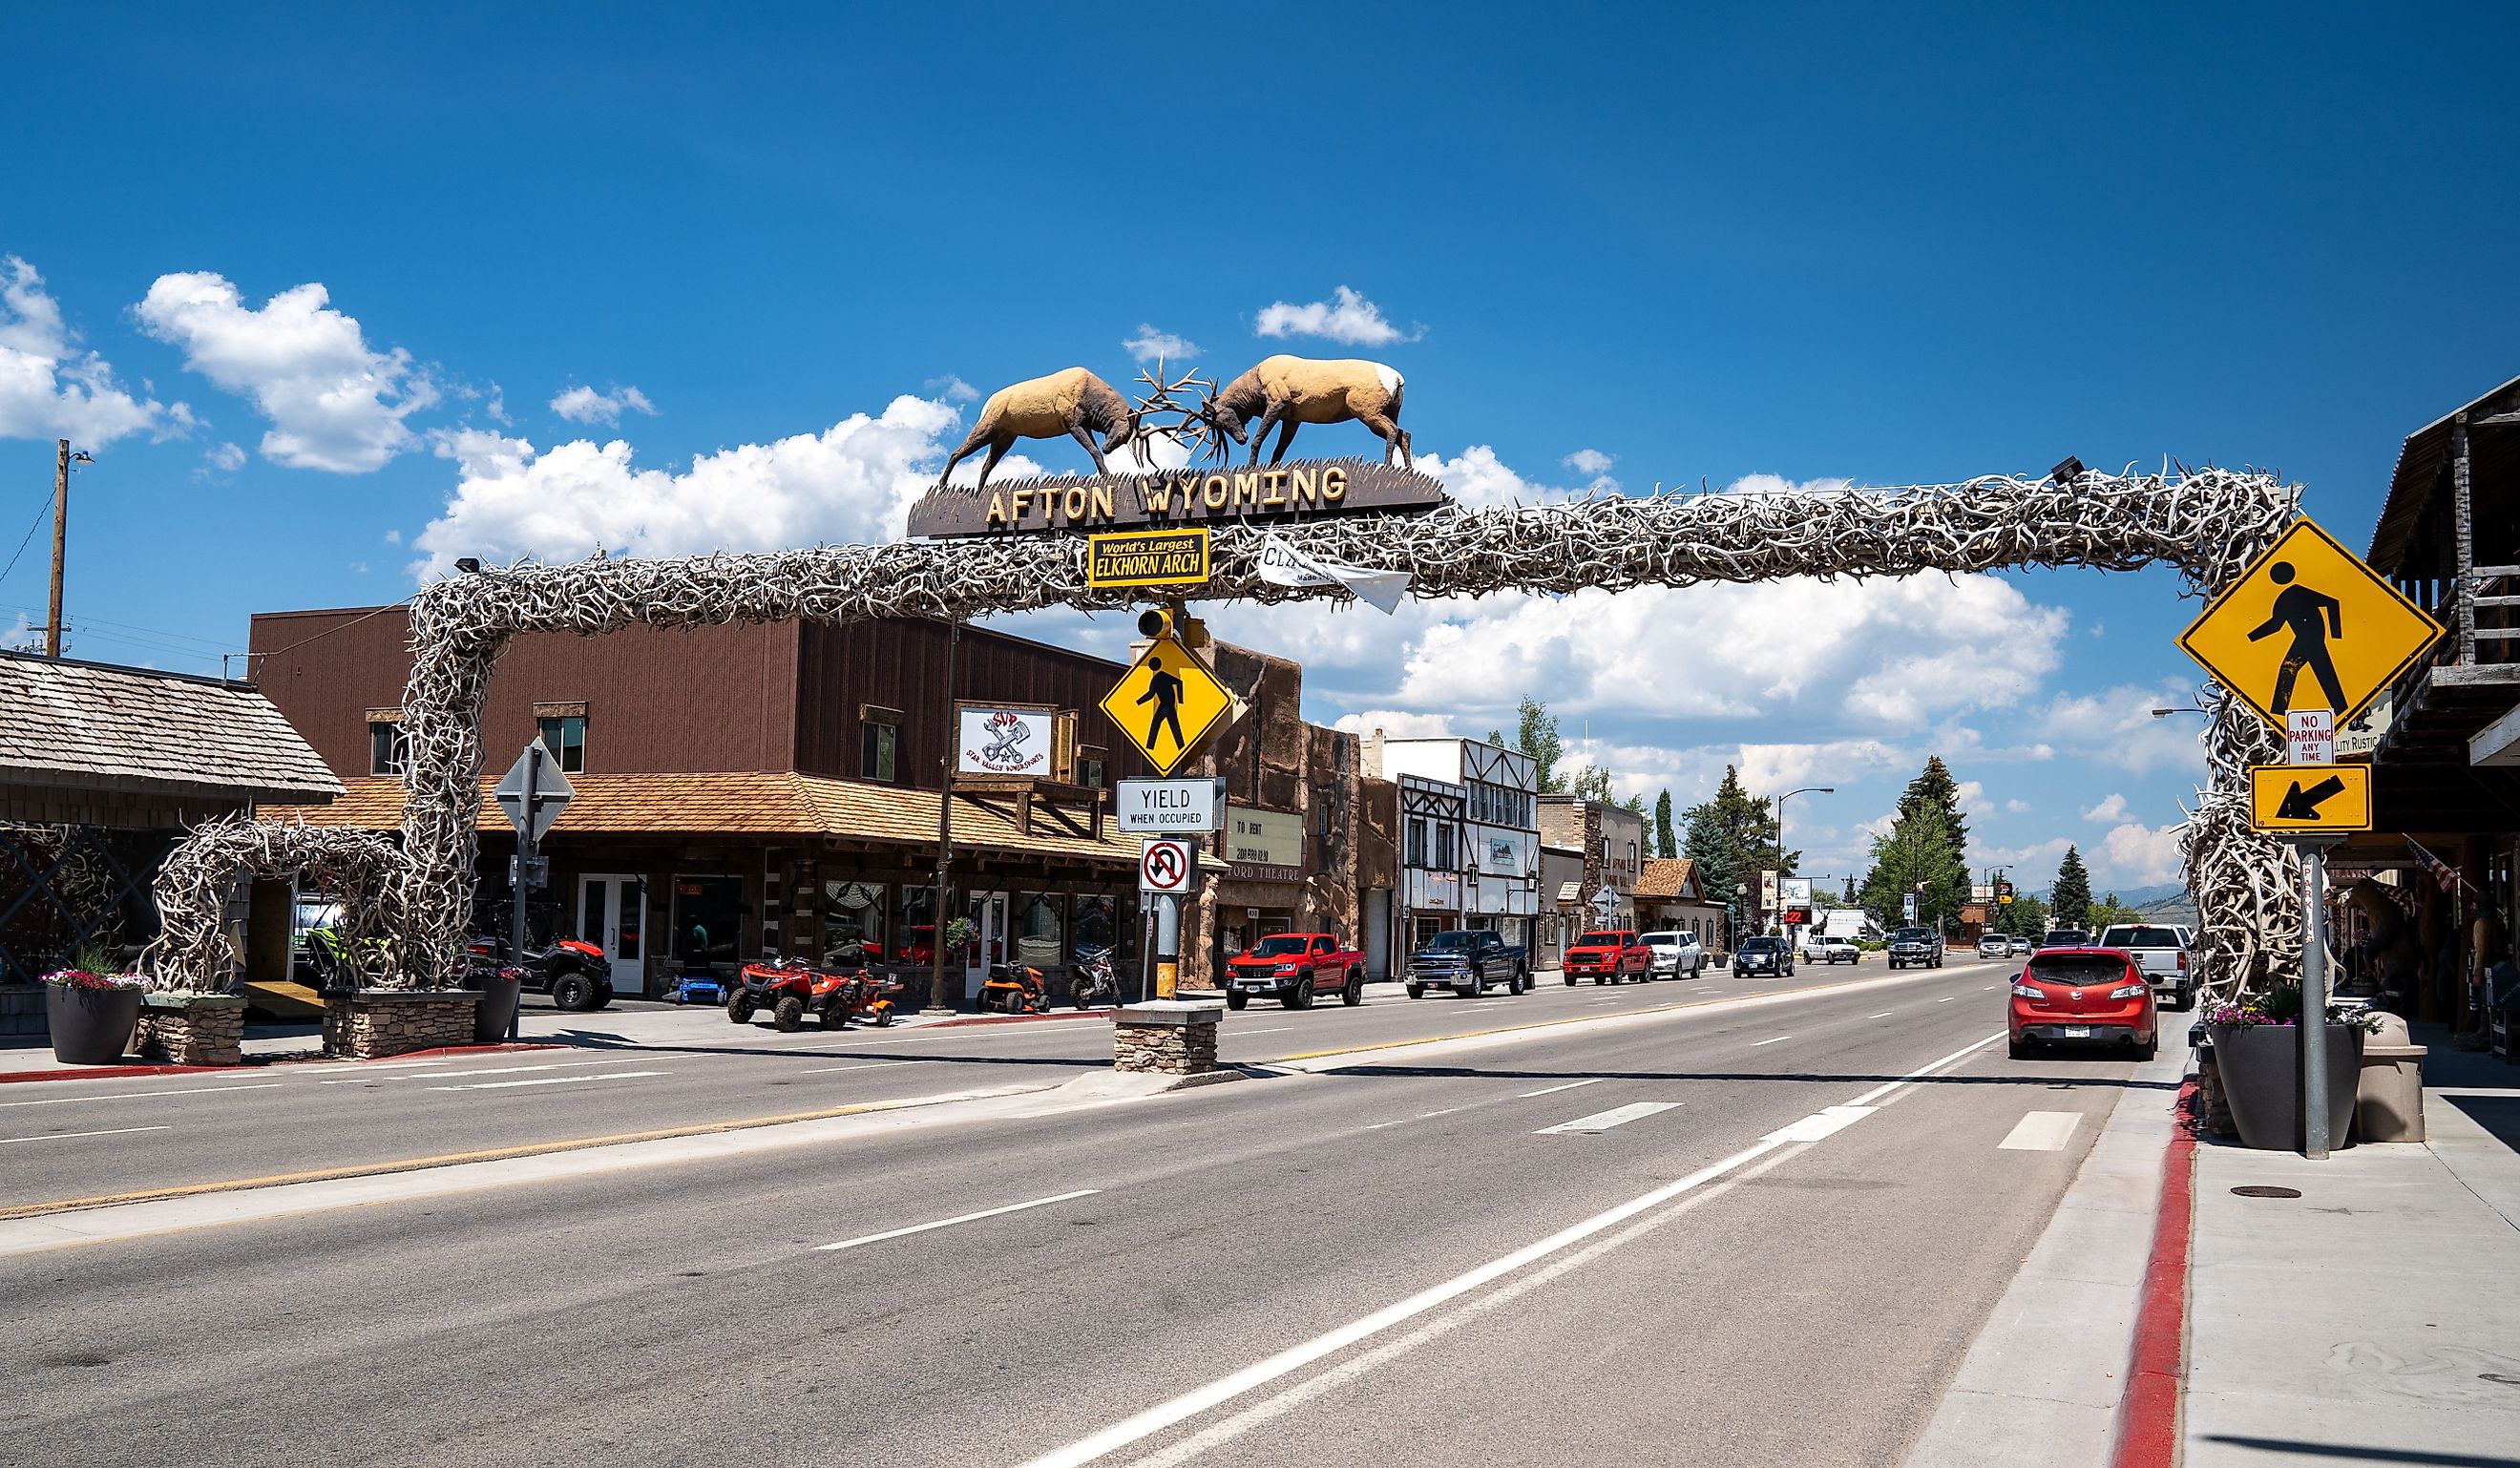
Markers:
2083,995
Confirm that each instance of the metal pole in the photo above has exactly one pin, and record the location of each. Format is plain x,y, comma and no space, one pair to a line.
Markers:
939,996
61,546
1167,944
2314,1079
523,884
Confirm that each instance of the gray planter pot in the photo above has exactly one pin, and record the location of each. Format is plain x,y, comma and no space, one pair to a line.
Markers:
90,1026
498,1006
2260,1067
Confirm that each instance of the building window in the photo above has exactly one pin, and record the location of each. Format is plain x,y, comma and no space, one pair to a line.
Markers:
1416,840
1446,858
878,751
565,738
389,748
1088,771
1632,856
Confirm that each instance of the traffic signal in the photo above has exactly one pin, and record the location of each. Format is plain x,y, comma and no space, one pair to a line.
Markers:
1161,621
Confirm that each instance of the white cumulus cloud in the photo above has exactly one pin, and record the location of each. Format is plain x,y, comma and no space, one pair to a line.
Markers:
1150,343
334,403
2113,808
584,405
1592,464
2136,855
1347,316
851,483
50,388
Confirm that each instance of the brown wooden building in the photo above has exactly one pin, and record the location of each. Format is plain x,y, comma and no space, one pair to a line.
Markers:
743,789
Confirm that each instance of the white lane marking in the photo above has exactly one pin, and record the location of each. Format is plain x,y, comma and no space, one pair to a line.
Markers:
985,1213
1551,1090
1604,1120
833,1070
365,1065
142,1096
1884,1015
1822,1124
612,1075
1369,1362
1880,1093
1947,999
493,1070
1163,1415
1779,1040
1990,989
2040,1132
66,1136
1271,1030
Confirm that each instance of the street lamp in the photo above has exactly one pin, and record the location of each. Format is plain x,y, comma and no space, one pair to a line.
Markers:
2184,708
1780,838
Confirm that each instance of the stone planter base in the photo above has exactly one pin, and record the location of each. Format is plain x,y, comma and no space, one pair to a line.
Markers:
370,1024
1168,1037
192,1028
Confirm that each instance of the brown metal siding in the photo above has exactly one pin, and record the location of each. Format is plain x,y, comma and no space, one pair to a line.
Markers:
900,664
657,699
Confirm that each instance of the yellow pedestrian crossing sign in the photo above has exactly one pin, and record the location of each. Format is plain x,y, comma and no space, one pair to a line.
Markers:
2307,625
1167,703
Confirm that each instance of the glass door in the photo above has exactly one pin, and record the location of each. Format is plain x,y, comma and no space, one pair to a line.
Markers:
611,914
987,944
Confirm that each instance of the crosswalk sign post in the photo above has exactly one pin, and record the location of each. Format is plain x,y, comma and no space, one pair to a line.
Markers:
1168,703
2309,625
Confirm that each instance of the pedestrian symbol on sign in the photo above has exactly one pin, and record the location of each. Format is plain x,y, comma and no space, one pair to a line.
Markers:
2313,620
1163,690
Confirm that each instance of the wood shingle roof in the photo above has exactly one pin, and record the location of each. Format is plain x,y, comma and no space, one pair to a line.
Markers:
102,726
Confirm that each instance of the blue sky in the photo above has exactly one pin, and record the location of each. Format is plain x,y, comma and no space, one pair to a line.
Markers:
315,285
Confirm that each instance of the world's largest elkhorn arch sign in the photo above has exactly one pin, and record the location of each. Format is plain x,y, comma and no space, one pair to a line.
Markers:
2208,524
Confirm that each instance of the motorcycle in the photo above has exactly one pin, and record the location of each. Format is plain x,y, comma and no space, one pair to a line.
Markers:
1096,983
1015,988
791,988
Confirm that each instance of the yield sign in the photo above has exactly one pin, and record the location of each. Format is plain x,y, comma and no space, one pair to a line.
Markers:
533,793
2308,626
1167,703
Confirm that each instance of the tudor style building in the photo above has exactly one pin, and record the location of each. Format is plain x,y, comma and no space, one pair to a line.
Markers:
1469,833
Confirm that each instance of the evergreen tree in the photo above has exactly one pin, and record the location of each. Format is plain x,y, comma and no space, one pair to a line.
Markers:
1733,838
1634,805
1934,789
2070,900
1915,854
2027,915
1666,839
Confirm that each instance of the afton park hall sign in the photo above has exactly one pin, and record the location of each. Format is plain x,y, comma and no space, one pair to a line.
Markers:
1299,490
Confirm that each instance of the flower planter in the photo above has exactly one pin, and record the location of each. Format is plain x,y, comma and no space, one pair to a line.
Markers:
90,1026
2260,1068
497,1007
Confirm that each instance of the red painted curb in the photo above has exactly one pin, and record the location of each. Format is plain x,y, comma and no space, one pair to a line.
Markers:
2149,1414
128,1072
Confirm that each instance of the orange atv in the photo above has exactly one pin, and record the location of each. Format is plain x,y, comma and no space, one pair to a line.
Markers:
791,988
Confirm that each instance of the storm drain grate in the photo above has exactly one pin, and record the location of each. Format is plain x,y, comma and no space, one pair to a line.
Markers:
2257,1190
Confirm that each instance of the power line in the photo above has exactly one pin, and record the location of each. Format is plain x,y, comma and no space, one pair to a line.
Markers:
40,507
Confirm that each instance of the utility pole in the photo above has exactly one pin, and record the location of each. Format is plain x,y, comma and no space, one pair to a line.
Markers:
940,995
61,544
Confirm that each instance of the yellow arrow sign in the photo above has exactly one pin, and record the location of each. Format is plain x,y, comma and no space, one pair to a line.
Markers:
2310,797
1167,703
2308,626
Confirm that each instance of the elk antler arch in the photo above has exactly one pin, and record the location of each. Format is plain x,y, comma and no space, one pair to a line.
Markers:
2209,523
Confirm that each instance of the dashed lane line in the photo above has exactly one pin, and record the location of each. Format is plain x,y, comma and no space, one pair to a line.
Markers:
985,1213
2040,1132
1779,1040
1553,1090
66,1136
611,1075
140,1095
1603,1121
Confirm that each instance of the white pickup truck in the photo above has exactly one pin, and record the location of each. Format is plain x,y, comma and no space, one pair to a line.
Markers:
2160,950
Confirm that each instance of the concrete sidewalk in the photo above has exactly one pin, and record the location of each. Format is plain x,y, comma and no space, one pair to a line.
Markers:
2376,1318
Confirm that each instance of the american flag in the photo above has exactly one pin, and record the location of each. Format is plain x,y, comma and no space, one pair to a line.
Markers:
2443,873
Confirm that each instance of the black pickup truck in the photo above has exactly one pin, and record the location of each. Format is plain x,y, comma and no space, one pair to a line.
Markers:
1467,960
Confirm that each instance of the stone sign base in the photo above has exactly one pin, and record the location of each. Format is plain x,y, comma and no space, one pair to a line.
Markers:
370,1024
191,1029
1167,1037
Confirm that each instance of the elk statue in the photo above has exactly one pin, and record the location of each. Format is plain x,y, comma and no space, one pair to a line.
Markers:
1073,403
1288,391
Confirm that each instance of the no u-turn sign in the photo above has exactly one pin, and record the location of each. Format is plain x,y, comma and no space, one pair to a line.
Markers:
1165,868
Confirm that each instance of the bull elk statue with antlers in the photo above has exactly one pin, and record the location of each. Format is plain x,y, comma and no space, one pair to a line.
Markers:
1073,404
1288,391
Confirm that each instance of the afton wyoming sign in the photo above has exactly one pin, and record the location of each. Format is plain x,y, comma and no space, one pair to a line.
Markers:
1293,491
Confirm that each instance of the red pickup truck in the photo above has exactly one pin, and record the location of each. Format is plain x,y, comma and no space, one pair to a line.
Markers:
1294,967
1608,957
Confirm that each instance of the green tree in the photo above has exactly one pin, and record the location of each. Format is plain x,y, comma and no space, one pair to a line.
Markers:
1915,854
1934,789
2070,899
1592,782
2027,915
1535,734
1666,839
1733,838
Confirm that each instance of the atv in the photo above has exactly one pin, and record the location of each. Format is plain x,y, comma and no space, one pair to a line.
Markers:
791,988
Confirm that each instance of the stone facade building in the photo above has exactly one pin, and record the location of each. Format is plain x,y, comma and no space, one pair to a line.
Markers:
1611,840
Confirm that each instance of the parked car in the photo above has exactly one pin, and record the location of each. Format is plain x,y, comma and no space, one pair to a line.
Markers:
1467,960
1911,948
2159,950
1676,955
1294,967
1607,956
2066,938
1836,951
1995,945
1763,954
2022,947
2082,995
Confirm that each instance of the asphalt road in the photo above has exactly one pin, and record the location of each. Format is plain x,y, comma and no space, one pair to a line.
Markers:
1649,1242
654,1070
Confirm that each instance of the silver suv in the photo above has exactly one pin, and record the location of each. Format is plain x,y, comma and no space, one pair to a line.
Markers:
1916,947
